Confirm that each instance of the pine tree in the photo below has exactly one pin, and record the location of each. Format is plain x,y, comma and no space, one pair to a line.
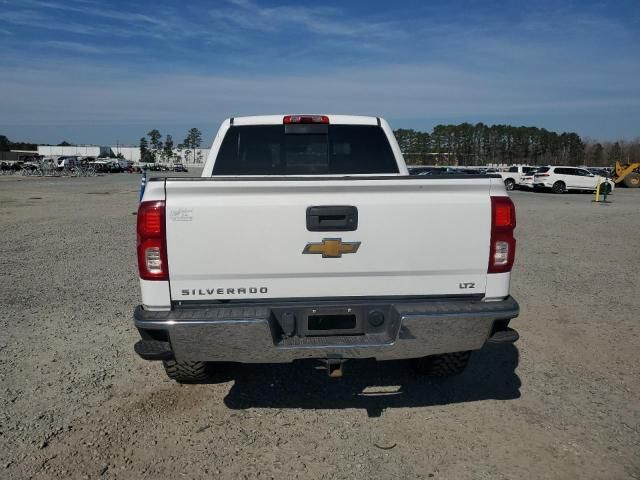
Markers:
615,153
167,150
144,150
192,142
155,142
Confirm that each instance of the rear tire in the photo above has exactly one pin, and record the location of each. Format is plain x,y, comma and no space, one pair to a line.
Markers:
559,187
632,180
442,366
186,372
510,184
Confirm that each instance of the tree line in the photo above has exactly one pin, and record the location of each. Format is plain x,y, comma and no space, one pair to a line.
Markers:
7,145
463,144
154,149
480,144
602,154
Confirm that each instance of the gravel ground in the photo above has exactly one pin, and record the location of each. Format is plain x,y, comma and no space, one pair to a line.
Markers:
77,402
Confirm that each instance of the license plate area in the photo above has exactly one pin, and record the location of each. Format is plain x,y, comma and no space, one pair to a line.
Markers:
330,321
300,321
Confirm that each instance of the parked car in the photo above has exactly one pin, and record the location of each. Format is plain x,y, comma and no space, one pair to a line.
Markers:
415,170
178,167
156,167
603,172
67,163
527,179
513,176
100,166
563,179
12,166
432,171
138,167
31,166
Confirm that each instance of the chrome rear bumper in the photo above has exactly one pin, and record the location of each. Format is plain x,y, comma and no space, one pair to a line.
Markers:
254,333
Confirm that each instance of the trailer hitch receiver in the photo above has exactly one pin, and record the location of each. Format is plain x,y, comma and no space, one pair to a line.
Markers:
334,367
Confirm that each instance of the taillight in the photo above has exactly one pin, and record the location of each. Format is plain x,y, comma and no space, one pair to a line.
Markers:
502,250
288,119
151,241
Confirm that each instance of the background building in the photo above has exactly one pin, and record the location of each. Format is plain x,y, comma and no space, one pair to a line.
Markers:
75,150
129,153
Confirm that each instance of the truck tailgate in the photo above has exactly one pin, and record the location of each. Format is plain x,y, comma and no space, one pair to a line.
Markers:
242,239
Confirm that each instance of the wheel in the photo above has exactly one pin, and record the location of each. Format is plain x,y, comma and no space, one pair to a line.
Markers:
632,180
559,187
441,366
510,184
186,372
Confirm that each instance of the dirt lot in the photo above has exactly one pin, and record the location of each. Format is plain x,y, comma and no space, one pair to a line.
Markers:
76,401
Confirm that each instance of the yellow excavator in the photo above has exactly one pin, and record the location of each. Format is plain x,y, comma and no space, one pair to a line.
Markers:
628,174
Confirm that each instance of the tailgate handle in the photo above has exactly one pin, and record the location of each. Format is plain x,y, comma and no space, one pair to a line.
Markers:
332,218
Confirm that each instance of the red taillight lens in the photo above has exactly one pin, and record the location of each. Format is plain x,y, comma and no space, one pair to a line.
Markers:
305,119
151,241
502,250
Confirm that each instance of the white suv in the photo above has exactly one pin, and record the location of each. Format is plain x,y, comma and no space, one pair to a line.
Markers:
563,179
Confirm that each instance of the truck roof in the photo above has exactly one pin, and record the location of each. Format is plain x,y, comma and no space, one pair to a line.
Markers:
277,119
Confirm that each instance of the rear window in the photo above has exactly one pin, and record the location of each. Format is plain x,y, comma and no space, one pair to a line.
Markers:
543,170
305,150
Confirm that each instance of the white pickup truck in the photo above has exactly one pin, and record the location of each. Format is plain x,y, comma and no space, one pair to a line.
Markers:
305,237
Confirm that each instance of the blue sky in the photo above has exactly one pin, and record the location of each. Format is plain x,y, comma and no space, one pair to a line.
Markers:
106,72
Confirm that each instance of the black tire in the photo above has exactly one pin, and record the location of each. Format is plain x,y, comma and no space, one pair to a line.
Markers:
510,184
632,180
442,366
559,187
186,372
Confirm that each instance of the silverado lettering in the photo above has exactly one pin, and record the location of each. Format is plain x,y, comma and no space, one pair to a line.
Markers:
222,291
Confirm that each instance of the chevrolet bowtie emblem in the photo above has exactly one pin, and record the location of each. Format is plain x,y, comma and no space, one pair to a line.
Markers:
332,247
